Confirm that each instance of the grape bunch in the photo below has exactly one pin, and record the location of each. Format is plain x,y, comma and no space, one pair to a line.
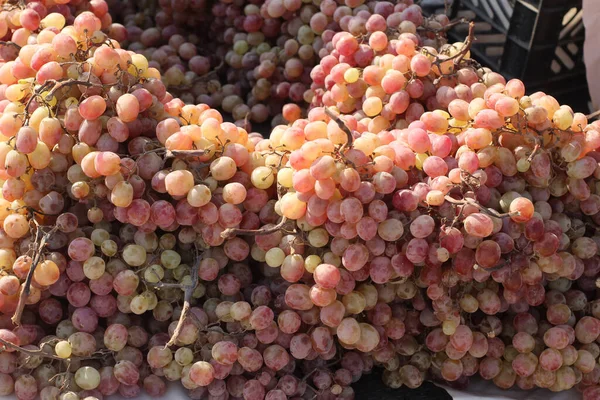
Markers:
424,216
264,52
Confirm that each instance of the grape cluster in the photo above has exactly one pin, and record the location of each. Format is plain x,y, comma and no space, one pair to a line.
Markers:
426,216
263,51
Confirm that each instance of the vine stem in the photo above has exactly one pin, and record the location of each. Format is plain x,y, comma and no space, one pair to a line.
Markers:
187,298
492,213
13,44
446,28
468,43
535,150
308,375
31,353
185,153
593,115
40,353
342,125
57,85
23,296
231,232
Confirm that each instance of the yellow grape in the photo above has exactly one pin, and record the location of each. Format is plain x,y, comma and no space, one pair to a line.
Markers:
46,273
63,349
274,257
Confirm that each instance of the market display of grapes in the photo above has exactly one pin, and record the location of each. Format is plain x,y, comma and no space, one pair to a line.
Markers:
409,211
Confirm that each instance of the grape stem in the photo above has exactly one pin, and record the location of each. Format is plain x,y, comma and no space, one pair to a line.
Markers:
31,353
317,392
16,319
40,353
13,44
231,232
187,297
34,96
308,375
536,148
164,285
457,218
593,115
467,47
57,85
446,28
458,57
265,230
485,210
185,153
342,125
498,266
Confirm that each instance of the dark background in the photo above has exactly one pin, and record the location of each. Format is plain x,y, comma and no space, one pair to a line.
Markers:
370,387
537,41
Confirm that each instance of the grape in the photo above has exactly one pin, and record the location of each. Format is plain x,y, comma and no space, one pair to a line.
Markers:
46,273
585,361
297,297
25,387
8,384
451,370
525,364
253,390
93,106
349,331
462,338
251,360
522,208
126,372
327,276
154,385
586,329
225,353
488,254
85,319
556,338
115,337
506,378
390,174
81,249
179,183
159,357
15,226
489,302
87,378
289,321
523,342
479,225
274,257
275,357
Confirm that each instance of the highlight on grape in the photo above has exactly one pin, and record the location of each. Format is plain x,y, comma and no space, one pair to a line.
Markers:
409,210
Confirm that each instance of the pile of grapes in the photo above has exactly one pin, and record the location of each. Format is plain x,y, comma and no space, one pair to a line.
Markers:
411,211
261,52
